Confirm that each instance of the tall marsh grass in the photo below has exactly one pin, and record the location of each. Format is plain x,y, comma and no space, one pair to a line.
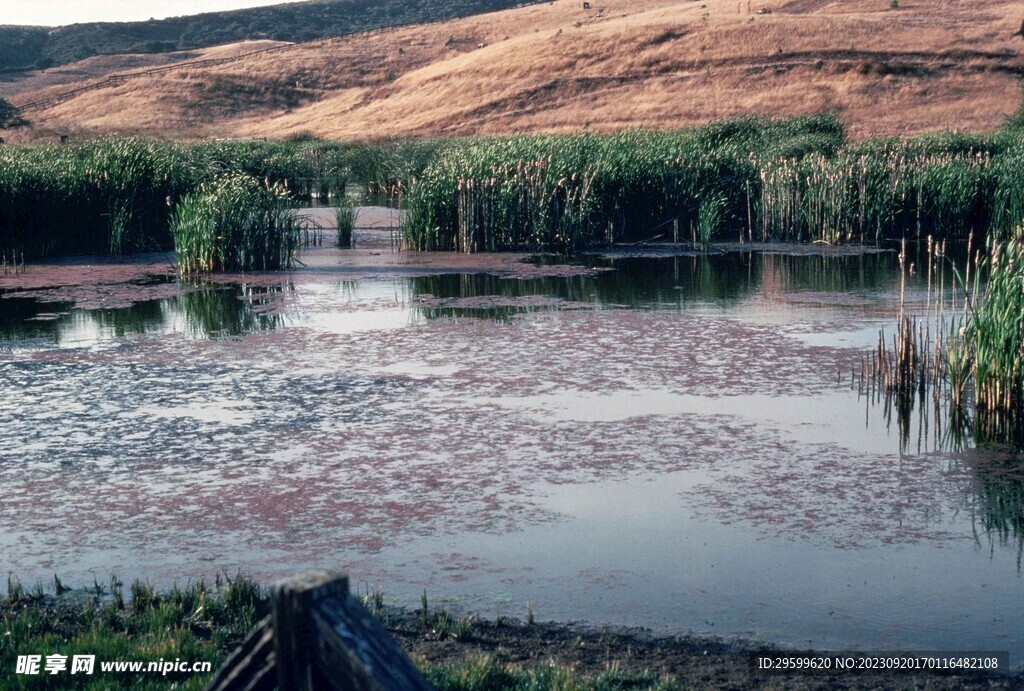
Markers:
794,180
117,196
234,223
976,358
992,333
748,179
107,196
344,220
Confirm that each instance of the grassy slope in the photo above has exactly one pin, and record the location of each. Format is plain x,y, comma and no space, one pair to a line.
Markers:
634,63
24,47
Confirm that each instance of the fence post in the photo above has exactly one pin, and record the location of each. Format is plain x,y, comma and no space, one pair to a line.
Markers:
292,602
318,637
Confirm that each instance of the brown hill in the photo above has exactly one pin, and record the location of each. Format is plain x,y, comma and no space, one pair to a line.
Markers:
921,66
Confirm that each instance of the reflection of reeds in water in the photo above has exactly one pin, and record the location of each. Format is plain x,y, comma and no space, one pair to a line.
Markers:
23,319
218,312
663,283
484,296
12,265
203,312
998,507
1002,493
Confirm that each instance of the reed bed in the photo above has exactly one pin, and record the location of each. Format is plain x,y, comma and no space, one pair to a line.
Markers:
98,197
976,359
794,180
117,196
235,223
788,180
344,220
994,329
569,192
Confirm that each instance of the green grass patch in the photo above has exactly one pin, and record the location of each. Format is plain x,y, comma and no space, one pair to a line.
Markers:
195,623
790,180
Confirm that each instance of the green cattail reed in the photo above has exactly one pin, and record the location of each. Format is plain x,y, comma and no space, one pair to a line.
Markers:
234,223
344,220
786,180
790,180
978,358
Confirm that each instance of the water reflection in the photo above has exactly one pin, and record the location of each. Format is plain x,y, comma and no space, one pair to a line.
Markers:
729,278
199,311
999,498
759,283
212,312
659,283
60,323
987,444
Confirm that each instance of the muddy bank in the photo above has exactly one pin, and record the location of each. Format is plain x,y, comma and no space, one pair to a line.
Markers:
690,661
100,618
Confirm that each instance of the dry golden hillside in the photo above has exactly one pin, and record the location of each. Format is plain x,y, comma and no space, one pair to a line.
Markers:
923,65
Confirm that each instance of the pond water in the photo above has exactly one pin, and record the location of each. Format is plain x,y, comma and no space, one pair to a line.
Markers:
669,442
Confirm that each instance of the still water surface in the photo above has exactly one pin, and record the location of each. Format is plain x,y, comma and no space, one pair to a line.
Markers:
666,442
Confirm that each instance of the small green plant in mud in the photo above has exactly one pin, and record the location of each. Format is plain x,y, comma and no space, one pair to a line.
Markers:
424,611
447,627
143,596
441,624
15,590
462,629
373,599
345,220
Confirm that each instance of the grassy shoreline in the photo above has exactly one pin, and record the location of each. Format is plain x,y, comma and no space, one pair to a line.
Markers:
745,179
205,623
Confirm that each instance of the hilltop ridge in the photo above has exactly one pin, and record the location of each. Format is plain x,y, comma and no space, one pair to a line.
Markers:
41,47
556,67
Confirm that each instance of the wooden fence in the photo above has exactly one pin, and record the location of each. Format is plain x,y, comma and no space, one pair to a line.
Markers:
318,637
